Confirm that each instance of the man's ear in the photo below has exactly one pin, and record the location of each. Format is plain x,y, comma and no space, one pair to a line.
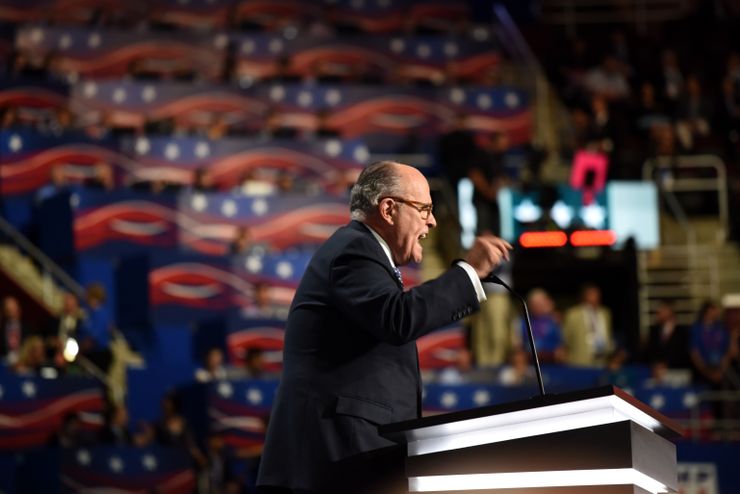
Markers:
387,210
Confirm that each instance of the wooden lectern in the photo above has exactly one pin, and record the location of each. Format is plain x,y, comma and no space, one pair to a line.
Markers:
597,441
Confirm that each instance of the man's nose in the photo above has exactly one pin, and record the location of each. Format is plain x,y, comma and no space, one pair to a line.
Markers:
431,221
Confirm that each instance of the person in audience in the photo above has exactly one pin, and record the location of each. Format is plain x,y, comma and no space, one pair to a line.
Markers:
671,81
57,183
13,330
487,175
694,114
96,335
602,130
648,111
173,430
608,80
587,330
102,177
275,126
517,371
254,183
324,129
9,117
213,367
286,183
69,324
203,181
456,149
72,434
667,345
254,363
731,105
616,373
116,431
242,242
32,356
264,305
710,345
548,336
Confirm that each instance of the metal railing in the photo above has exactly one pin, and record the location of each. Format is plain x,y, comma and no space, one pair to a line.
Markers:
519,50
51,274
640,13
669,184
50,271
724,427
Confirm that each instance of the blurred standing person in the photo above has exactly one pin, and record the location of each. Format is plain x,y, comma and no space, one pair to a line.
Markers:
12,330
69,324
95,338
487,175
710,345
548,336
668,342
587,330
456,150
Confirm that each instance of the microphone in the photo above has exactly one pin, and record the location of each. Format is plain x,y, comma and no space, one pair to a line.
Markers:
492,278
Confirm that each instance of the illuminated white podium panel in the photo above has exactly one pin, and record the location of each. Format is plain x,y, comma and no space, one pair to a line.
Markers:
597,441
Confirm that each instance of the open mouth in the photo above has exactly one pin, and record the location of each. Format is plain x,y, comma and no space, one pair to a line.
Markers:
422,236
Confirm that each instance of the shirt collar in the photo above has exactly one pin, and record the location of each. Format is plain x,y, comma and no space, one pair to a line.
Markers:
383,244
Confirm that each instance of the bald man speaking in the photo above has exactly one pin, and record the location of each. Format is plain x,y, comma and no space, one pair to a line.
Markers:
350,359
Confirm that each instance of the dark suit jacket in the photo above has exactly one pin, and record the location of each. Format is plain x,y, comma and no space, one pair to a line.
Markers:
350,359
25,333
674,351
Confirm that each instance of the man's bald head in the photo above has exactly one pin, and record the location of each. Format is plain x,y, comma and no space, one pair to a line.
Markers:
380,179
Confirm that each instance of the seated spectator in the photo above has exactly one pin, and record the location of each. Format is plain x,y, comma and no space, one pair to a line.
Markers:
694,113
587,330
608,80
668,342
324,129
710,345
203,181
277,128
517,371
213,368
72,433
69,324
12,330
617,374
57,183
32,356
263,304
253,183
548,336
9,117
671,81
173,430
102,177
649,111
116,432
602,131
254,363
244,244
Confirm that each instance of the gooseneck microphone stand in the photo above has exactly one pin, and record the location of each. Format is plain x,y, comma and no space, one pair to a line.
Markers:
492,278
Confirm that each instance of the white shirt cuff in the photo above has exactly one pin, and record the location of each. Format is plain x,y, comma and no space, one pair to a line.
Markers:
474,280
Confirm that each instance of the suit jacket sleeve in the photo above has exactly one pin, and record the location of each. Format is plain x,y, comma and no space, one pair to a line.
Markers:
365,291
